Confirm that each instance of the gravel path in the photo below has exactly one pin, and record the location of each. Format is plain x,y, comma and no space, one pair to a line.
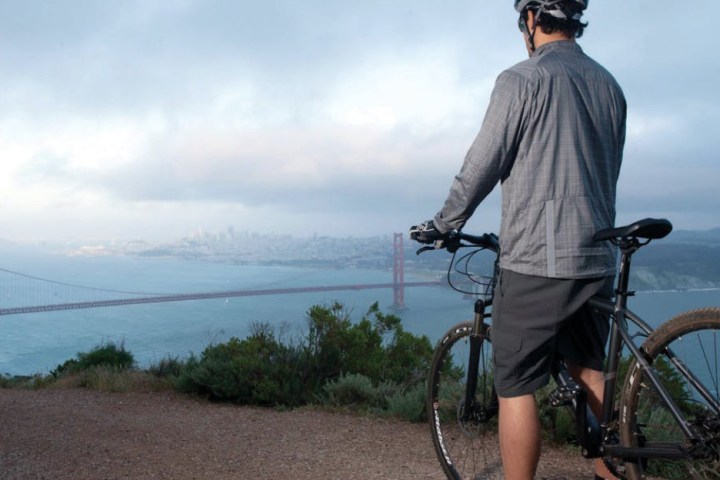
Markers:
58,434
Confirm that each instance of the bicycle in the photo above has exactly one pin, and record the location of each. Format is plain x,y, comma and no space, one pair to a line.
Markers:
664,423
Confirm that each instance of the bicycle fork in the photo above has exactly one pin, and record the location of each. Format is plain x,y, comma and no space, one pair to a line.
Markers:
477,338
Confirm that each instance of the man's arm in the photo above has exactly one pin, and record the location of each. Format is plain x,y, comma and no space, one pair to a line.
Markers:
491,154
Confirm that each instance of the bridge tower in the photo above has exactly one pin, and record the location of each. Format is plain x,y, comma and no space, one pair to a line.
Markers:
398,272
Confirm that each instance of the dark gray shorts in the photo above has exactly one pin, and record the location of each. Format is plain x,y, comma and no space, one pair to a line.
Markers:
535,319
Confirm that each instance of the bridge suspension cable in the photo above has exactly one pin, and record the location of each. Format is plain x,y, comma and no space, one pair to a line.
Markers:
73,285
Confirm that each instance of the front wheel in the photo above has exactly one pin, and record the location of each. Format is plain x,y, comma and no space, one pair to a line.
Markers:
691,339
464,433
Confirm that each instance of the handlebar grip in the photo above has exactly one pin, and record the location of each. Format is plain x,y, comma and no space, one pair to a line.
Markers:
453,241
487,240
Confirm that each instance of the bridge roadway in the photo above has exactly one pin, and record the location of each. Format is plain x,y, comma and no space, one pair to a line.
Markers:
204,296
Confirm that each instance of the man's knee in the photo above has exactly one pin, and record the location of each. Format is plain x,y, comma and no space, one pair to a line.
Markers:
587,377
519,406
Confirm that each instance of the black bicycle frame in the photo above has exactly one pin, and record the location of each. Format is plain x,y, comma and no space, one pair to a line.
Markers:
619,335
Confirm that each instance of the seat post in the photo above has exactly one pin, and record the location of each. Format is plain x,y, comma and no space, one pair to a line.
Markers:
628,246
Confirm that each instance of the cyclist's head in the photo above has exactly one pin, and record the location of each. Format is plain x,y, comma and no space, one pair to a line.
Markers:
554,16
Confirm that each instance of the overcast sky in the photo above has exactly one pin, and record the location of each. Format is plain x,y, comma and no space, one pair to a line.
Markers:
151,118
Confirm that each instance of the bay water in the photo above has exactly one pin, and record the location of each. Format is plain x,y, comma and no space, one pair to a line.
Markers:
38,342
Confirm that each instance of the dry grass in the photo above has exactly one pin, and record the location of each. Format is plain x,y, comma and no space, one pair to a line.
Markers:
114,380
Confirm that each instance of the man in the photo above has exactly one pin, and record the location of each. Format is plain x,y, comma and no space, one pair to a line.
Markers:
553,137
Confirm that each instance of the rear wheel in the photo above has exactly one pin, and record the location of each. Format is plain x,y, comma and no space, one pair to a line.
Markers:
465,438
694,339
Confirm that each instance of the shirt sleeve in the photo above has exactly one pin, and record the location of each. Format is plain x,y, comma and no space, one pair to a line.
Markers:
490,156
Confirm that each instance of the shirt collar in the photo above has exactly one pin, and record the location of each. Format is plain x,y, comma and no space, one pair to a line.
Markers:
556,45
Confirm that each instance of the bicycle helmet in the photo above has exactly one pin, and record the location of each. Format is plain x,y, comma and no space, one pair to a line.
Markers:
562,9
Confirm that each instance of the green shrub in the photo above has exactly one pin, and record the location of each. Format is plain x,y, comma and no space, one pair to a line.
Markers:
387,398
107,355
168,367
263,370
409,405
379,348
407,357
353,389
334,345
258,370
7,381
32,382
383,392
69,366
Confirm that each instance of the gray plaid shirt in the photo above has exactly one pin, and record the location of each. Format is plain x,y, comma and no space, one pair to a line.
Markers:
553,136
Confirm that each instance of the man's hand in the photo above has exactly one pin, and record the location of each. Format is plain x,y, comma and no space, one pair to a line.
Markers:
426,233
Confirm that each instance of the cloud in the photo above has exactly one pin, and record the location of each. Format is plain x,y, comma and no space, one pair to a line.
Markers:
316,167
334,113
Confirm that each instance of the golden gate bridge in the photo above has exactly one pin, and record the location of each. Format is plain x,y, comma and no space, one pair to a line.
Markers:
67,296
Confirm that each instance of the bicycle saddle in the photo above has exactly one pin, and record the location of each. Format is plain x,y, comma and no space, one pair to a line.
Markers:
649,228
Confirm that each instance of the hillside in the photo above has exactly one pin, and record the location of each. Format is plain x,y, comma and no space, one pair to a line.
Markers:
685,260
676,266
703,237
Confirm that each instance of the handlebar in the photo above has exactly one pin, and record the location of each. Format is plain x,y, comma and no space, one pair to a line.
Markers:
455,240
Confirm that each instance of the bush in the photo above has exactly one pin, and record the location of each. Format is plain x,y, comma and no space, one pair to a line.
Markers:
331,358
333,345
373,364
409,405
105,355
168,367
258,370
387,398
353,389
32,382
379,348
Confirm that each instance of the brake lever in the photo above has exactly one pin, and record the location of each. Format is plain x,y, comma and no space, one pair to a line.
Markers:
424,249
437,245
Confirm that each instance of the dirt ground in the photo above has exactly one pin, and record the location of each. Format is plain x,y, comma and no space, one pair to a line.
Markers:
57,434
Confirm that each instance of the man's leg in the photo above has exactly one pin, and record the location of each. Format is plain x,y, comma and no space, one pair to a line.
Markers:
593,382
519,437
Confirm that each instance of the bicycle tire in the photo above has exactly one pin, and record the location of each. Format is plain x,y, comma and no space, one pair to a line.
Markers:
694,337
466,448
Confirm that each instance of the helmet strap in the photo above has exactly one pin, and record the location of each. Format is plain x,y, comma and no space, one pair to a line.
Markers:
531,35
531,38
